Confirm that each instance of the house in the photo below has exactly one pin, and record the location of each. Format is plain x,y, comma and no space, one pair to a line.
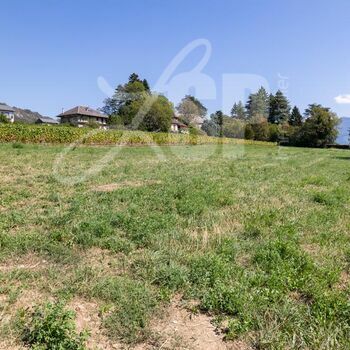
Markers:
197,122
7,111
178,127
46,121
83,116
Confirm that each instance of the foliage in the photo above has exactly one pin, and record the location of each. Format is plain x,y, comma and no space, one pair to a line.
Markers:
159,116
261,129
319,128
279,109
189,108
135,107
258,104
219,119
210,127
233,128
238,111
93,125
3,119
85,136
249,132
51,327
295,118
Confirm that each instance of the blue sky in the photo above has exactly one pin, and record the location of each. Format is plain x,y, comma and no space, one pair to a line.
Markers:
53,51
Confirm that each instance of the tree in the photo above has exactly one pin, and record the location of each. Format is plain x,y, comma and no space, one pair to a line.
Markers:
319,128
146,85
3,119
219,119
261,130
248,132
258,104
159,116
210,127
233,128
126,100
133,78
295,118
238,111
279,108
190,108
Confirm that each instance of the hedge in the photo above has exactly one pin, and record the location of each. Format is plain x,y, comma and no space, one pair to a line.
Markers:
67,135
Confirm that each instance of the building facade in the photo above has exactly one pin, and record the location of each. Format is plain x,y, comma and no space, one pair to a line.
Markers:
81,116
178,127
7,111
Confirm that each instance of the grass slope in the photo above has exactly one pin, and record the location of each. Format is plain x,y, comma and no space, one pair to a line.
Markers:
258,236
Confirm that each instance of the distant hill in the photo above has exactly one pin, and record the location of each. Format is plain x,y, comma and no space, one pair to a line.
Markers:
344,127
26,115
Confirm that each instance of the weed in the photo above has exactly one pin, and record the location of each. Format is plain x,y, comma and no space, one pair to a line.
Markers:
50,326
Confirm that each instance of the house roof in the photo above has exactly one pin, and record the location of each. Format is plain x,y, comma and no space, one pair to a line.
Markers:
6,108
48,120
177,122
82,110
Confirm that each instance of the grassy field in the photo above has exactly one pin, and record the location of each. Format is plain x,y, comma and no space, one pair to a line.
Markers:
242,247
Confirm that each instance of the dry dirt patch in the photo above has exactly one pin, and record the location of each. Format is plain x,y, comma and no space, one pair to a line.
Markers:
344,281
181,329
87,318
25,262
106,261
118,185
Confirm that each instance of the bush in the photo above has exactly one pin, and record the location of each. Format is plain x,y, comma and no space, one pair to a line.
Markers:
274,133
261,130
51,327
3,119
249,132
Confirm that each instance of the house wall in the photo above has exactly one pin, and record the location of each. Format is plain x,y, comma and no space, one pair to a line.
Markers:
81,120
174,128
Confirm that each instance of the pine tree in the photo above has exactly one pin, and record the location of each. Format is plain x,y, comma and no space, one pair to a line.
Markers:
258,104
133,78
279,108
295,118
146,85
238,111
219,117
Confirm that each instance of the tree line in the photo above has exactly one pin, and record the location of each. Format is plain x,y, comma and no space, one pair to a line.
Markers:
270,118
264,117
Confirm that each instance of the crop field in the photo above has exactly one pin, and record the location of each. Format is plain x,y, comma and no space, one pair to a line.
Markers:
174,247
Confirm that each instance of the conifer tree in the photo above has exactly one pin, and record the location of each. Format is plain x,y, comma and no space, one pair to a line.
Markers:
279,108
238,111
295,119
258,104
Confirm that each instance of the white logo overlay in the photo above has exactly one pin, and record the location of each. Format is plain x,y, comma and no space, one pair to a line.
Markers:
234,88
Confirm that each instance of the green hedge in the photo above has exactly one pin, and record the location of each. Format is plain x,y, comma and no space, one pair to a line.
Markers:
87,136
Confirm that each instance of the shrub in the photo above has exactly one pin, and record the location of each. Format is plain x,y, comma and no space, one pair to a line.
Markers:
3,119
274,133
51,327
249,132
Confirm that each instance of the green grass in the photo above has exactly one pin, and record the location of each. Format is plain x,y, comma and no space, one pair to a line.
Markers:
257,235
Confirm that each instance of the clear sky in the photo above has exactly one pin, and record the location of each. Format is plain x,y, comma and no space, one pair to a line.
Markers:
53,51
